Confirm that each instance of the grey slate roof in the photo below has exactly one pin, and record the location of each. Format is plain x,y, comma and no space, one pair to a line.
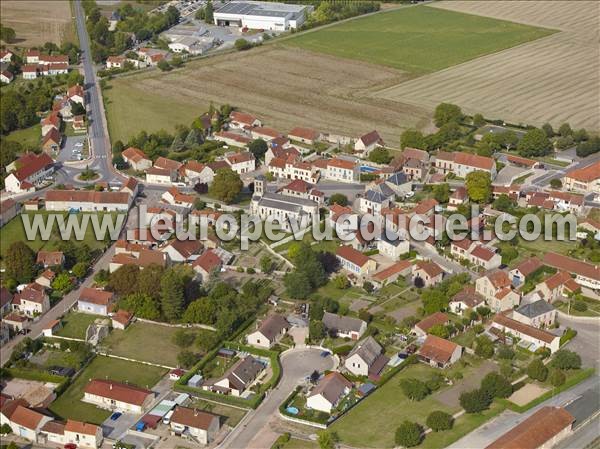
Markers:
536,308
341,323
368,350
397,179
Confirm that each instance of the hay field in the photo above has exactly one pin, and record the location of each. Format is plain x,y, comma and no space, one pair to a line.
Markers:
38,21
285,87
555,79
418,39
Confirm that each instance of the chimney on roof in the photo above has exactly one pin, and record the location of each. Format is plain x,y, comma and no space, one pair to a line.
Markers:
110,386
195,412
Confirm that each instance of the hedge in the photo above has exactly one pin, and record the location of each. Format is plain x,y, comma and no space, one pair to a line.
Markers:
290,398
571,382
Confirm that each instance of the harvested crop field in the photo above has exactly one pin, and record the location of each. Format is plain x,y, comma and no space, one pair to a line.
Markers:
554,79
285,87
38,22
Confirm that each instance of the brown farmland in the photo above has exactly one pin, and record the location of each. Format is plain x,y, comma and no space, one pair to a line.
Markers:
554,79
38,22
285,87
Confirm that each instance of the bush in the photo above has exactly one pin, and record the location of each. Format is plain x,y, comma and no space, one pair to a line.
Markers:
537,370
409,434
565,359
580,306
414,389
281,441
569,334
250,270
242,44
475,401
557,377
439,420
5,429
505,353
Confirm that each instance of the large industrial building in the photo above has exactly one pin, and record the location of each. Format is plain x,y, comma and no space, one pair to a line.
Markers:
262,15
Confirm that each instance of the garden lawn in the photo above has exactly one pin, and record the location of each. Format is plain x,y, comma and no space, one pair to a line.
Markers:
74,324
385,409
14,231
145,342
418,39
28,137
62,358
69,404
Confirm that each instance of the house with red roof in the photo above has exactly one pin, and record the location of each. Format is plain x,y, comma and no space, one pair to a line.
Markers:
496,288
476,253
421,329
242,162
113,395
175,197
6,55
136,159
32,300
461,164
305,135
265,133
242,120
76,94
302,189
537,338
584,180
367,143
6,77
586,274
525,269
392,273
209,262
30,171
87,200
439,352
557,287
23,421
429,272
355,262
95,301
202,426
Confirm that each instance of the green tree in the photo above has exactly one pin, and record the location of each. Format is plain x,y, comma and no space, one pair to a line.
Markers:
547,128
565,130
341,282
297,285
484,347
316,330
503,203
124,280
141,305
509,253
565,359
7,34
203,310
496,386
408,434
380,156
537,370
412,138
258,147
19,262
439,420
164,65
172,294
208,12
446,113
441,192
556,183
149,280
534,143
478,120
62,282
80,269
414,389
338,198
182,338
479,186
439,330
206,340
226,185
5,429
475,401
557,377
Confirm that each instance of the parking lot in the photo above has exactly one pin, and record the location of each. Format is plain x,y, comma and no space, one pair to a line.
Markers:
73,149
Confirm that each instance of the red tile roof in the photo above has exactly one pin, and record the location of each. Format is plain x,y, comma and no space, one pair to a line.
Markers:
396,268
129,394
431,268
350,254
341,163
437,349
49,257
529,266
536,431
239,158
193,418
432,320
585,174
371,138
499,279
30,164
81,427
242,117
26,417
167,164
523,328
483,253
76,90
134,154
571,265
208,261
94,296
474,160
87,196
425,206
304,133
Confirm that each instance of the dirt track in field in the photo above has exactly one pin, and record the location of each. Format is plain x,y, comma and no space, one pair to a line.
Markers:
37,22
555,79
290,87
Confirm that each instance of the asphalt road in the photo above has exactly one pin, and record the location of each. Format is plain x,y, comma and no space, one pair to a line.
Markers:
59,308
253,431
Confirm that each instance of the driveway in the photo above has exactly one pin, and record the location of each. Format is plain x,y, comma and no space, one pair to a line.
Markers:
254,431
66,154
586,341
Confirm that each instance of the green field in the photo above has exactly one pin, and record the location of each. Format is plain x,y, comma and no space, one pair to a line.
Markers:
418,39
69,404
29,137
146,342
140,109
